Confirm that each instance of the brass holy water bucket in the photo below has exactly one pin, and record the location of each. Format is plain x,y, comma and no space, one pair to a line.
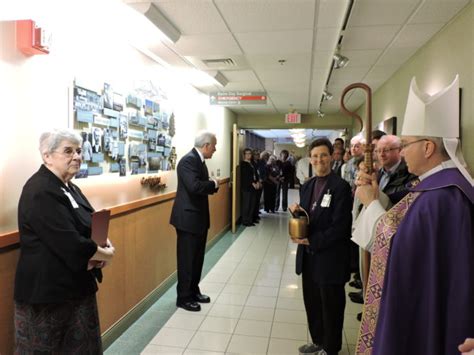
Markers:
298,226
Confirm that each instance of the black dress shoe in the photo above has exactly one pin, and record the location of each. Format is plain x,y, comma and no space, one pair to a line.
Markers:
359,316
202,298
355,294
248,224
189,306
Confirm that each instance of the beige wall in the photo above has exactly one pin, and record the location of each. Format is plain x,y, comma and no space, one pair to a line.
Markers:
35,94
307,121
435,65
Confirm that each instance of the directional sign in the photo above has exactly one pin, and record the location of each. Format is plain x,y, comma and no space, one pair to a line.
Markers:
231,98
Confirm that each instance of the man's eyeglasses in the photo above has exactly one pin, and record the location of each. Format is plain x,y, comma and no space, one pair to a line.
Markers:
404,145
385,150
68,151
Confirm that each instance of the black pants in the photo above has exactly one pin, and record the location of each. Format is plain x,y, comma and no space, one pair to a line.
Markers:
248,206
269,195
190,254
324,310
283,187
258,196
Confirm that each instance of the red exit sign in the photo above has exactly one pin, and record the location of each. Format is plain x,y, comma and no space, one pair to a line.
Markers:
293,118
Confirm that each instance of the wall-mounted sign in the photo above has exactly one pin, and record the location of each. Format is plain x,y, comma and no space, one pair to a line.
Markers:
293,118
238,98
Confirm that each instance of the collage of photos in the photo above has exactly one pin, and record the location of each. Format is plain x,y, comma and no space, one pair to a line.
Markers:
124,134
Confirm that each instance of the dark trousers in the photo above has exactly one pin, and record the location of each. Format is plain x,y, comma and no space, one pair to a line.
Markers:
269,195
190,254
283,187
324,310
248,206
258,196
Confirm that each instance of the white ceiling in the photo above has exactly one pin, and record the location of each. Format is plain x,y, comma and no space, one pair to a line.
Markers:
380,36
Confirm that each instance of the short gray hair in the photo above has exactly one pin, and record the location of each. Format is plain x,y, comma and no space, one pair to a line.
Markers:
438,141
51,140
203,138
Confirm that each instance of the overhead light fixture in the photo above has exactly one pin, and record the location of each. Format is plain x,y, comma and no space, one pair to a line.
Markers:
340,61
155,16
327,95
320,113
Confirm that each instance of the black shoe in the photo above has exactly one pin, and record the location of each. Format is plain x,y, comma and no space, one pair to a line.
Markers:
202,298
359,316
189,306
248,224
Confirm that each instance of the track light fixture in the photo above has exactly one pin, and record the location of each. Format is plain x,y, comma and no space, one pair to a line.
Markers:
327,95
340,61
320,113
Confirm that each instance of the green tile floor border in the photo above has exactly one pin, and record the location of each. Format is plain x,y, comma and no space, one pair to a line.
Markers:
135,331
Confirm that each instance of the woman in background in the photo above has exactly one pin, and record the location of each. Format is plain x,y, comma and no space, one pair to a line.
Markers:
55,284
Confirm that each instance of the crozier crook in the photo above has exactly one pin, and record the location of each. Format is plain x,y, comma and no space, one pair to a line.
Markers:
368,123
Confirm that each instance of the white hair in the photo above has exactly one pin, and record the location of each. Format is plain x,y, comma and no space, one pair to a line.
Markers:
358,139
51,140
203,138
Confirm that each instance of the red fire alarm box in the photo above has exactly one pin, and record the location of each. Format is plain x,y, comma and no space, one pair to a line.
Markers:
31,39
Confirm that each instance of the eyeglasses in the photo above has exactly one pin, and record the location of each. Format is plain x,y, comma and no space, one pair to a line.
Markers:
69,151
385,150
404,145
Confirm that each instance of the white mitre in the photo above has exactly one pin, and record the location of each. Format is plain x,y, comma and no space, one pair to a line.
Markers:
436,116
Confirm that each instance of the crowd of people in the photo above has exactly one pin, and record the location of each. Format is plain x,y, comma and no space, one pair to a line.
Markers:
406,229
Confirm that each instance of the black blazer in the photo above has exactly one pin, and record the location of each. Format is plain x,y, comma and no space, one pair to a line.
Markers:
396,187
247,176
55,244
329,232
190,211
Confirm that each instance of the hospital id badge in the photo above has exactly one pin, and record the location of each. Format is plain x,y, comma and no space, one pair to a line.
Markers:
326,202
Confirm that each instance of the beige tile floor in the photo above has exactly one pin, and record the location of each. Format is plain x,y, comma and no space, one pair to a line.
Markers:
257,305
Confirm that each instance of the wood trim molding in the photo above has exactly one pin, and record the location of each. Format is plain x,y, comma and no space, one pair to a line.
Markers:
12,238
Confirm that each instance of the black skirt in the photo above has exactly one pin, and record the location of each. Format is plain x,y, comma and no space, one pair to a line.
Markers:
71,327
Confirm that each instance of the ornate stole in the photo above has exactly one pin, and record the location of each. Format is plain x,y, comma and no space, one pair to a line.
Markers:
385,230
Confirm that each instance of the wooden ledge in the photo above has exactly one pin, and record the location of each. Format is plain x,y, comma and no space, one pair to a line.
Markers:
12,238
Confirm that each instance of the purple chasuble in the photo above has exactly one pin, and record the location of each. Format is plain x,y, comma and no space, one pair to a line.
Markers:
427,302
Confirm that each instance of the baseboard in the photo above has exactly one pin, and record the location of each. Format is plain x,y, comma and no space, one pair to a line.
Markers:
116,330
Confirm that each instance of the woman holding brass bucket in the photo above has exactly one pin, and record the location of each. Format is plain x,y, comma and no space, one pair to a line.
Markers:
323,255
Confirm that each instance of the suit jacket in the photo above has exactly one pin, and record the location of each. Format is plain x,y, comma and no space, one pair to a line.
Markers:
55,244
329,232
396,187
338,169
247,176
190,211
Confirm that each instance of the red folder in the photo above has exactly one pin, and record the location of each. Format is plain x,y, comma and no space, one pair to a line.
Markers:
100,227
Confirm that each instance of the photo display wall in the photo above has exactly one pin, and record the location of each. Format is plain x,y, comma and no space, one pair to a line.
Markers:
124,133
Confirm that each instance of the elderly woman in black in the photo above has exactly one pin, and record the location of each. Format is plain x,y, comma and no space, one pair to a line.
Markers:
55,285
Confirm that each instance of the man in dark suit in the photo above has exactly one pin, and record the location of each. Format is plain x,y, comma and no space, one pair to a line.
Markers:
323,258
190,217
337,161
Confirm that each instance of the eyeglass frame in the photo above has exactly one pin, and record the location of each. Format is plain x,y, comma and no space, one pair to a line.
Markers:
386,150
405,145
73,151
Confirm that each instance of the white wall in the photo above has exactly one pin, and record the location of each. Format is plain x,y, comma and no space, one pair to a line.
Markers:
90,41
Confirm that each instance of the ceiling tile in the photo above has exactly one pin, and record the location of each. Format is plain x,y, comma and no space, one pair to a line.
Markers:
416,35
180,13
297,42
243,86
347,76
373,37
331,13
396,56
270,61
239,75
362,58
326,39
205,45
322,59
376,12
438,11
267,15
